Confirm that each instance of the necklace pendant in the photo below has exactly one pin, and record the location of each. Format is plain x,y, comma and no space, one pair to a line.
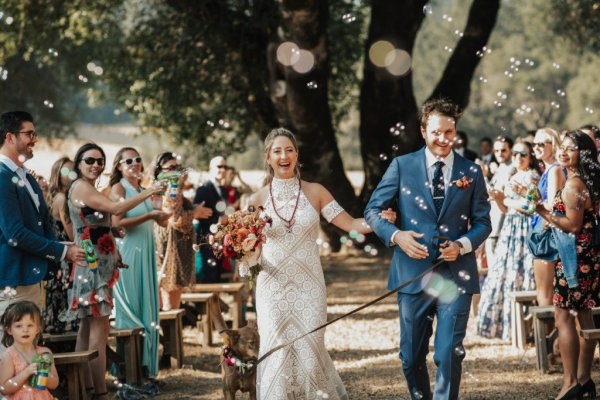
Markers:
290,225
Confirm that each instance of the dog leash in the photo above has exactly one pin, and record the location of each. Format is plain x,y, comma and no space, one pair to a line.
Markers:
402,286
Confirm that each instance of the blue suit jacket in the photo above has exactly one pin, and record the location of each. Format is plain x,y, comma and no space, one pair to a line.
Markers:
27,242
465,212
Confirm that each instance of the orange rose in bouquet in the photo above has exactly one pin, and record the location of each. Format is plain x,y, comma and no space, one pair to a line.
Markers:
239,238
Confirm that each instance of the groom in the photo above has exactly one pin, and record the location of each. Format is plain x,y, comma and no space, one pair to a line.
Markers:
438,193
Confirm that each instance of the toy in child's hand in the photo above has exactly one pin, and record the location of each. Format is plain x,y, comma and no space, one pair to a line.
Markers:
90,254
44,364
173,178
532,197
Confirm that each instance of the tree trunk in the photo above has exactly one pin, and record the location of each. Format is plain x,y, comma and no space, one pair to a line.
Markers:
303,108
387,100
455,83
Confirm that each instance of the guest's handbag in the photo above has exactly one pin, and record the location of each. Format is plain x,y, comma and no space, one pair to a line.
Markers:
541,244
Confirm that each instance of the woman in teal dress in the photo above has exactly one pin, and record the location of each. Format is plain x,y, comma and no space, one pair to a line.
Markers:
136,292
90,298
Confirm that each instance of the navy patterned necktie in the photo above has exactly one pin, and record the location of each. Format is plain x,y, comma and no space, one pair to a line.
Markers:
438,186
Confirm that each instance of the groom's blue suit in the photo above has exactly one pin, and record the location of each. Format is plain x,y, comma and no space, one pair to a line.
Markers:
464,214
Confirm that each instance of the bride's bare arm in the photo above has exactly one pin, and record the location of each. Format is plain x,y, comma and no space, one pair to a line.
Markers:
335,214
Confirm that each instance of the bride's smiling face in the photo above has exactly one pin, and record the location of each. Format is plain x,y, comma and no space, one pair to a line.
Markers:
282,157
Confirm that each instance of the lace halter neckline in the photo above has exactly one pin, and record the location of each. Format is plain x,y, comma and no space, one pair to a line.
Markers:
285,197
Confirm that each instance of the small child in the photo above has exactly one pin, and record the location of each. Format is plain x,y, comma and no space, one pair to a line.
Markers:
22,323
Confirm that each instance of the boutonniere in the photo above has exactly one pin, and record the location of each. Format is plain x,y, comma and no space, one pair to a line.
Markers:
462,183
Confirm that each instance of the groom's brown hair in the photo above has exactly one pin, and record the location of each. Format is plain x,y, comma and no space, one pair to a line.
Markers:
439,106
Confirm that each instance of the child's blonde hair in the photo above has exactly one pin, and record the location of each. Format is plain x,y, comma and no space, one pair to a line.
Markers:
14,313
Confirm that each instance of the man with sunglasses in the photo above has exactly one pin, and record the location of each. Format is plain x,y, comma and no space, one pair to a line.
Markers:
437,193
214,196
28,246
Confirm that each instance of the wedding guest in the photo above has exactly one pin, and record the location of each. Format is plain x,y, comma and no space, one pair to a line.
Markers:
545,146
513,267
136,293
594,133
461,146
212,194
90,298
57,283
27,243
575,211
502,171
43,183
174,242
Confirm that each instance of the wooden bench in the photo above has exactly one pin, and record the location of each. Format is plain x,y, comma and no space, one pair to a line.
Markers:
543,339
171,323
74,366
204,323
521,318
234,288
129,338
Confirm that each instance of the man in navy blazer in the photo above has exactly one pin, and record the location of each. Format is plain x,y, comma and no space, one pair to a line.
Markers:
213,195
438,193
27,243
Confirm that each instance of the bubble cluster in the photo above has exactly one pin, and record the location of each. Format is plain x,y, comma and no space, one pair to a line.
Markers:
483,79
397,129
95,68
312,85
484,50
348,18
427,10
589,110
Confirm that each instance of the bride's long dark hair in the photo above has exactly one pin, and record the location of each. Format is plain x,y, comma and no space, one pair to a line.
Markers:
274,134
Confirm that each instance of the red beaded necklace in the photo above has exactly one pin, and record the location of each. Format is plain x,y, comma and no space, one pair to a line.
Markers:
291,221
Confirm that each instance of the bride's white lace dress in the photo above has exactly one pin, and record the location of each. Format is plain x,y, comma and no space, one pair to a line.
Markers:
291,299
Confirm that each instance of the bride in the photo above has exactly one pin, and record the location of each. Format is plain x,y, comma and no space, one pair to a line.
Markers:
291,297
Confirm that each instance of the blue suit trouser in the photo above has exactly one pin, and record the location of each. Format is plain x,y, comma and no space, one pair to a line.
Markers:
417,312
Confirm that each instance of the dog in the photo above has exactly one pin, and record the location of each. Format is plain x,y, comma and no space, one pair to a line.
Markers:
239,355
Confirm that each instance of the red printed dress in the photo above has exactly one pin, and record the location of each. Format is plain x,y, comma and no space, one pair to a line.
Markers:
91,294
585,296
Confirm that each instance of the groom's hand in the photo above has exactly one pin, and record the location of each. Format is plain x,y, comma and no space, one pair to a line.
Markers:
406,241
450,251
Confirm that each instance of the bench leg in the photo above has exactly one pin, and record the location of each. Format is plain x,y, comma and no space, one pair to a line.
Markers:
73,383
237,310
176,341
541,345
520,325
131,359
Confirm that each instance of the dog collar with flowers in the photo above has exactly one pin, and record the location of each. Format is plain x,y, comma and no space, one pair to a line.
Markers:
233,361
462,183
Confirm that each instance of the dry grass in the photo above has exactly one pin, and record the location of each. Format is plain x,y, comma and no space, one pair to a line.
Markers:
364,348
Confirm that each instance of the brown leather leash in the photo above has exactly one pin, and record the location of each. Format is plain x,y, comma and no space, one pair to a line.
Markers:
413,280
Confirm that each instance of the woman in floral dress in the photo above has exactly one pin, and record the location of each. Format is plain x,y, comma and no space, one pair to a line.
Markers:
90,298
574,211
513,269
57,285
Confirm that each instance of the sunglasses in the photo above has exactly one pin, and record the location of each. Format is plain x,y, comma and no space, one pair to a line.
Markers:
92,160
540,144
223,166
520,153
129,161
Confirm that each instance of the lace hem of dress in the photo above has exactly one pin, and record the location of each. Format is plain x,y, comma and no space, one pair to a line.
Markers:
331,210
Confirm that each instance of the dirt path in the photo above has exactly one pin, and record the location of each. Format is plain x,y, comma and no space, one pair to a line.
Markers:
364,348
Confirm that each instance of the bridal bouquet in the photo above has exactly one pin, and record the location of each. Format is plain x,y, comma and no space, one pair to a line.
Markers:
239,238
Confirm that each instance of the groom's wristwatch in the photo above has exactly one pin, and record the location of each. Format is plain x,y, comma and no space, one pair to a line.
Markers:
461,249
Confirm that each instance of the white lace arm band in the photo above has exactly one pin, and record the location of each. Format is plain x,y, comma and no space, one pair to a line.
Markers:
331,210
